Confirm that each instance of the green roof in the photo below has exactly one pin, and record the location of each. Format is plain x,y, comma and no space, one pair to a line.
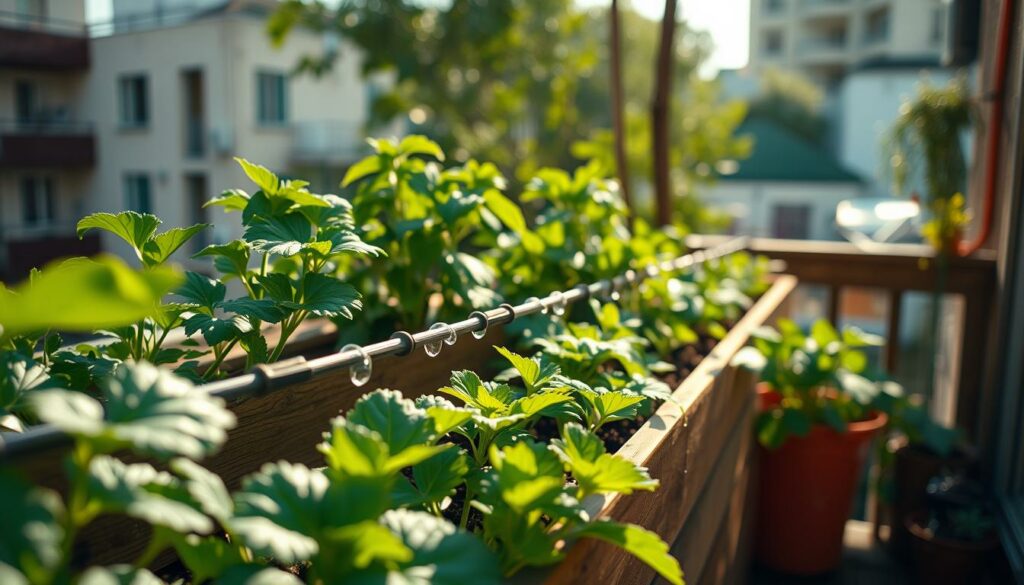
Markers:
781,155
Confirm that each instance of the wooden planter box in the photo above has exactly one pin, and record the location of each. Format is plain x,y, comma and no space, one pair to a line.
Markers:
701,449
285,424
701,455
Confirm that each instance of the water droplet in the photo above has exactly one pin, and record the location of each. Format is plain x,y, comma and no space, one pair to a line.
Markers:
615,296
434,347
543,307
558,304
480,333
360,371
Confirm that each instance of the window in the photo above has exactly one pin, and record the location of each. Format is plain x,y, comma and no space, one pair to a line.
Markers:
31,11
774,6
133,95
938,18
26,102
271,98
196,196
877,26
773,42
37,204
195,130
137,193
791,222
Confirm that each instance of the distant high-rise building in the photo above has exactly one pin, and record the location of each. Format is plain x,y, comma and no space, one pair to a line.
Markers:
825,39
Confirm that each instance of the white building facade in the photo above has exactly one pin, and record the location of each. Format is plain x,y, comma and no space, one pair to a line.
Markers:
168,100
824,39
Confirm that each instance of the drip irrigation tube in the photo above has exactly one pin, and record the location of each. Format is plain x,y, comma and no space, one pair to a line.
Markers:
270,377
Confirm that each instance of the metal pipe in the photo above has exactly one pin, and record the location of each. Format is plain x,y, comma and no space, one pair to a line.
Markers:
270,377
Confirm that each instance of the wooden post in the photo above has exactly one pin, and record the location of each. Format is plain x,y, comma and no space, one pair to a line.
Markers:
618,121
660,118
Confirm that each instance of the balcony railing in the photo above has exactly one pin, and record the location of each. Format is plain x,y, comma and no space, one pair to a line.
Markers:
24,248
43,143
327,142
896,271
36,42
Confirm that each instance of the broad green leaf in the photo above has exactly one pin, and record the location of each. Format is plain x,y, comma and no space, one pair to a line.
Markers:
206,488
263,309
230,200
528,474
357,451
595,471
11,576
257,575
137,490
441,554
230,258
445,415
358,546
277,286
266,180
279,510
417,144
858,387
206,556
437,477
118,575
135,228
149,410
614,405
202,290
641,543
159,249
398,420
533,372
31,529
368,166
283,235
532,405
823,333
106,294
467,387
216,330
832,417
326,296
506,210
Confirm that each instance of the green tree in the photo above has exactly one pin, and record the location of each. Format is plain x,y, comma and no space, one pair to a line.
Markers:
793,101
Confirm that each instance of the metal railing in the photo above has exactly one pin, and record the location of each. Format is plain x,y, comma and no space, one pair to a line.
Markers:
41,23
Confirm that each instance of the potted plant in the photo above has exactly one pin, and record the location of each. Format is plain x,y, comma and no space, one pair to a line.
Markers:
815,426
920,448
954,536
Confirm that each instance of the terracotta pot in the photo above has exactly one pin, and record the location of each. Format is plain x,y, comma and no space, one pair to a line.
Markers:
806,493
913,466
944,561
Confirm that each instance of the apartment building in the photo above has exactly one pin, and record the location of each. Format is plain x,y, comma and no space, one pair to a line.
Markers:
176,93
47,144
825,39
165,95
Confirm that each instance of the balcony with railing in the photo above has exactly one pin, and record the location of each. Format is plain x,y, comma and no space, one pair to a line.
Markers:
46,143
38,42
327,142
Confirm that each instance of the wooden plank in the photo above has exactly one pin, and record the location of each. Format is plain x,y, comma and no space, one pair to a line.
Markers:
892,330
694,544
286,424
662,445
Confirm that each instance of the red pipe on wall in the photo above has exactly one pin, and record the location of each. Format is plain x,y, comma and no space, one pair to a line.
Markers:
994,135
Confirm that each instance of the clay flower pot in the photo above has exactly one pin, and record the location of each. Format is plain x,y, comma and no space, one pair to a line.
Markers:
806,492
942,561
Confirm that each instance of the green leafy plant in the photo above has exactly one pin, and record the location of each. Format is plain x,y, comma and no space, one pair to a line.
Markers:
518,487
106,294
425,216
297,238
816,376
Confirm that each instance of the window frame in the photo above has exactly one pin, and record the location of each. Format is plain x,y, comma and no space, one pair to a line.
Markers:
135,199
133,110
264,116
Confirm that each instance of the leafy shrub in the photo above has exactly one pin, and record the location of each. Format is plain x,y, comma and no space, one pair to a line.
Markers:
816,375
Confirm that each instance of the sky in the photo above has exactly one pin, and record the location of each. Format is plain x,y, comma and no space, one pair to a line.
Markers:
728,22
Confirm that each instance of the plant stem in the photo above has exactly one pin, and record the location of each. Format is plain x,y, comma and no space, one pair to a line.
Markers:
219,358
464,519
156,546
287,328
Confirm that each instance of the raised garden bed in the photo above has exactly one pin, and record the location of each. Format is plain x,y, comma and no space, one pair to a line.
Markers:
698,445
